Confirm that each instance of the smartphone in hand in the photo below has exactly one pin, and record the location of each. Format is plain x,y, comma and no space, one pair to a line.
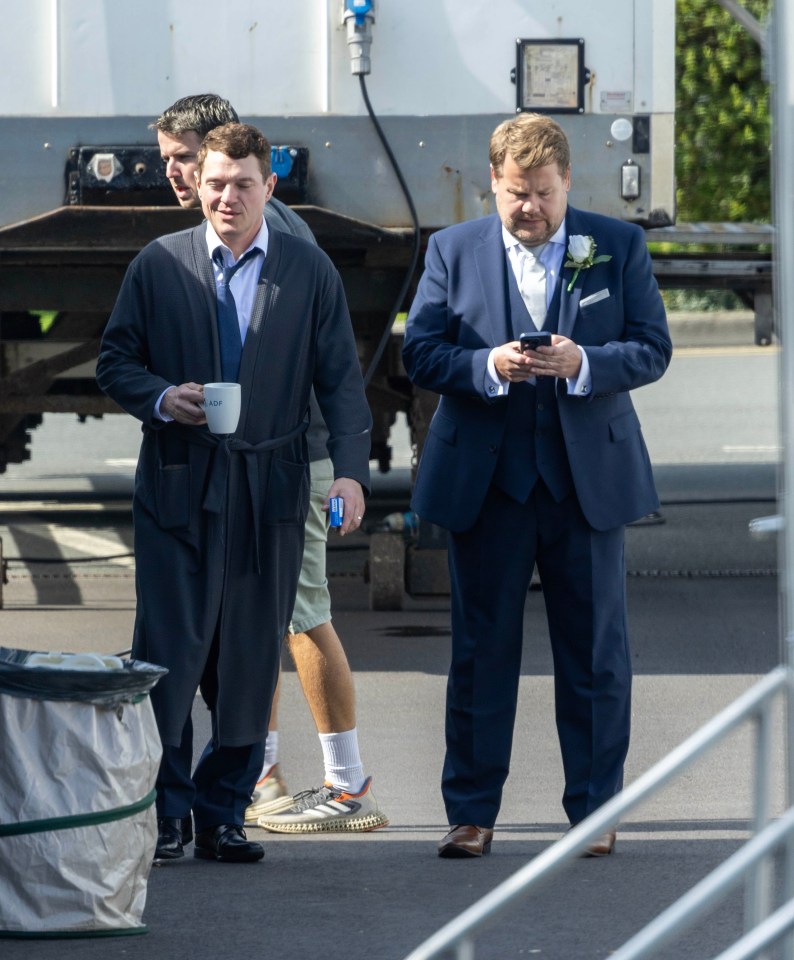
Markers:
531,341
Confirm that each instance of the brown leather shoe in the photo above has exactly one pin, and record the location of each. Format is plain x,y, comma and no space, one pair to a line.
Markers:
466,840
601,846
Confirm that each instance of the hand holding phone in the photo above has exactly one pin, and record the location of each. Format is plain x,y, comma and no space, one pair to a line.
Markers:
531,341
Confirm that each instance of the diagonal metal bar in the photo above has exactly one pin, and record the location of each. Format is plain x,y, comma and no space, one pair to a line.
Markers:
34,375
552,860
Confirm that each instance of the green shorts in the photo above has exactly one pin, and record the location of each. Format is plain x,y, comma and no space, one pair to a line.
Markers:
313,601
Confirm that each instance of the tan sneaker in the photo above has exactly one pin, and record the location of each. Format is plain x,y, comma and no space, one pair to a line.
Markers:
270,795
328,811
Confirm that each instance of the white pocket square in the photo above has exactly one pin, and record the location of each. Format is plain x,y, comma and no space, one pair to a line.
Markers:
594,297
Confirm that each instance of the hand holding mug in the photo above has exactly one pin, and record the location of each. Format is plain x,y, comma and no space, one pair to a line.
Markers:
222,407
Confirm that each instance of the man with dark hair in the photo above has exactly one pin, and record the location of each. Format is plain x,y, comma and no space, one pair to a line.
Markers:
219,523
180,130
535,455
314,645
198,113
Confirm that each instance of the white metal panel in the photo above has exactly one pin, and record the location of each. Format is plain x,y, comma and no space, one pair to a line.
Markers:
115,59
272,58
654,57
663,164
449,58
25,58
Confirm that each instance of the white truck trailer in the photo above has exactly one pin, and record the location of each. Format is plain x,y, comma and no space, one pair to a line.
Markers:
82,187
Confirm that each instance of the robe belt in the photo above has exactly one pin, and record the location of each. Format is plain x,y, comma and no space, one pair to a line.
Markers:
219,469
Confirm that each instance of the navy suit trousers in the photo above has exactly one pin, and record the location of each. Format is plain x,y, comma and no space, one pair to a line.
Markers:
582,572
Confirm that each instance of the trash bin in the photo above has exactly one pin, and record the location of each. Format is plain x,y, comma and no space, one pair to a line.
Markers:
79,754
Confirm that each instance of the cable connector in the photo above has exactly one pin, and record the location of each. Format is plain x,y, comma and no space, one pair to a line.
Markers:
358,16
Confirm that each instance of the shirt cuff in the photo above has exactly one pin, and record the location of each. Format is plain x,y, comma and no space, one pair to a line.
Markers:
495,386
582,385
158,414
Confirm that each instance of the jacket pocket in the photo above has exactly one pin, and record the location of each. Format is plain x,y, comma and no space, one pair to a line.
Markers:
444,428
624,426
287,497
594,298
173,496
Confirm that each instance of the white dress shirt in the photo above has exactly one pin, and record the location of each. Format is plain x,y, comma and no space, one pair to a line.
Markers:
550,255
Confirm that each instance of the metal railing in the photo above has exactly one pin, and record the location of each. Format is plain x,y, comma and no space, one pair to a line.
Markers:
752,861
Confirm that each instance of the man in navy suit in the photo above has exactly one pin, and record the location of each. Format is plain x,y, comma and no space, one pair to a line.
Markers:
535,456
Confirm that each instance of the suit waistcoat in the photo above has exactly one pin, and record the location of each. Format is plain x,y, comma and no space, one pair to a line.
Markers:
533,444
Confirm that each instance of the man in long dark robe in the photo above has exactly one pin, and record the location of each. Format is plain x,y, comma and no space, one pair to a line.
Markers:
219,523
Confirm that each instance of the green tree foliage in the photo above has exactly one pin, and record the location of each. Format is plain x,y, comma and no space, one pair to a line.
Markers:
722,115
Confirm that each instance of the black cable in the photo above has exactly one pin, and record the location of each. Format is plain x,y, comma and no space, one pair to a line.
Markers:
417,238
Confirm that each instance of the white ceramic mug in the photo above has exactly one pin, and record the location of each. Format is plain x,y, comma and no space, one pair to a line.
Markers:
222,406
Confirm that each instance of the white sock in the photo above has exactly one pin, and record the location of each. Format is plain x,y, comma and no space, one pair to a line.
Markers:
343,768
271,753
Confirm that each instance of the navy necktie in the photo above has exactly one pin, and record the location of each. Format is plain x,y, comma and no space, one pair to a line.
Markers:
229,338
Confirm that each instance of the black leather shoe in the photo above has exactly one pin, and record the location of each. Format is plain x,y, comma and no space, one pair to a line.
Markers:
173,833
228,844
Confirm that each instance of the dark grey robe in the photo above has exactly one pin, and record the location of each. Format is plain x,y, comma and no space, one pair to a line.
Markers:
219,527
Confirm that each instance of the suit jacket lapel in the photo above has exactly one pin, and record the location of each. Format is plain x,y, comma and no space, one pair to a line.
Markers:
490,258
569,301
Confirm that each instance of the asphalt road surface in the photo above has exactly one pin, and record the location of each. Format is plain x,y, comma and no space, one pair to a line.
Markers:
703,609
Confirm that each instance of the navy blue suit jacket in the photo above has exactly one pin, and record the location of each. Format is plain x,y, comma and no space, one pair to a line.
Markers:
461,312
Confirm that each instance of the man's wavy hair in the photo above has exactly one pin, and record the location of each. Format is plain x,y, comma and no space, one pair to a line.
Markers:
199,114
236,141
532,140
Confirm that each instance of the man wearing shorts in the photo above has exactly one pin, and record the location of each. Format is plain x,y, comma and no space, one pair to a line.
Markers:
345,802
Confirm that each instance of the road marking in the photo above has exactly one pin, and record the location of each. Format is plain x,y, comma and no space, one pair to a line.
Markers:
771,448
91,544
52,506
717,352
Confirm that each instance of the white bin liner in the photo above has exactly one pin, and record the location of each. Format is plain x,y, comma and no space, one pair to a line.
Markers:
78,827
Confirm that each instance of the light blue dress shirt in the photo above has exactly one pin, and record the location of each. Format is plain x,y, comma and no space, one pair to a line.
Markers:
243,284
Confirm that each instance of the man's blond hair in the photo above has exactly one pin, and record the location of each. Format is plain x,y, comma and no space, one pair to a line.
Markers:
532,140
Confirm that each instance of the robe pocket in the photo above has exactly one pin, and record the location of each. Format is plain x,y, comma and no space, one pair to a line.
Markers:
287,499
173,496
624,426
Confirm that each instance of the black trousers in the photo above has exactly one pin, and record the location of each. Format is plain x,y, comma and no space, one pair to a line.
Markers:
220,788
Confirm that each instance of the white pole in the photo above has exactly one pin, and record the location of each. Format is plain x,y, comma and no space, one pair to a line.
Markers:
783,196
782,74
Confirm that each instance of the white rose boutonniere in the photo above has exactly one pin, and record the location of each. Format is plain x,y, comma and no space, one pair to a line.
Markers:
581,255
